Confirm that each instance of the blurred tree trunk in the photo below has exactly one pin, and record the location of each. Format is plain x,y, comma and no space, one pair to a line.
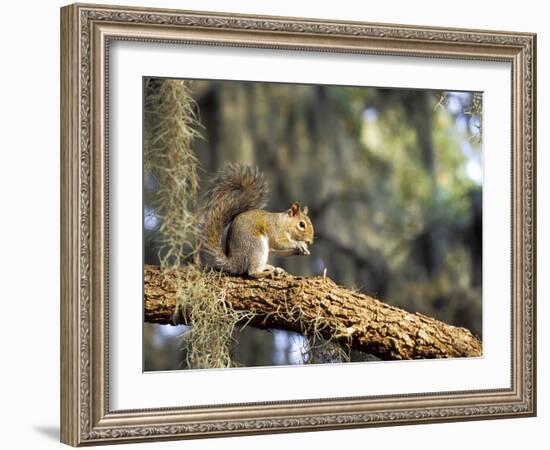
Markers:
309,305
474,237
420,112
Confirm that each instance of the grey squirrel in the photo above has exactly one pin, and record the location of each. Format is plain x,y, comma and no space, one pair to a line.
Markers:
237,194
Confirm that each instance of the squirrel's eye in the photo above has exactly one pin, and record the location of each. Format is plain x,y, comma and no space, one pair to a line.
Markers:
302,224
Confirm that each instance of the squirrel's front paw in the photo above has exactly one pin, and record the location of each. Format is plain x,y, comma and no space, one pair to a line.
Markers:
302,249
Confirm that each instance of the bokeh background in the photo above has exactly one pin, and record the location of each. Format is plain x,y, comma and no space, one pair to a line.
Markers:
393,181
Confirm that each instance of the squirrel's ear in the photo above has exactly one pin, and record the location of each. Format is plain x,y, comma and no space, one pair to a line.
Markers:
305,210
294,209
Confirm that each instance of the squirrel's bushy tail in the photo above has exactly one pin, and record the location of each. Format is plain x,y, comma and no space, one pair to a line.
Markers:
235,189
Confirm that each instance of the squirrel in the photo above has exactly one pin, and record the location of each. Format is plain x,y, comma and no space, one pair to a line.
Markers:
236,198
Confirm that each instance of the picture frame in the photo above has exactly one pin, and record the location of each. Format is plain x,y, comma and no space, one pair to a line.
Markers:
87,33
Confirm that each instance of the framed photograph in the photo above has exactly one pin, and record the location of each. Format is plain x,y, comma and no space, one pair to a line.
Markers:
277,225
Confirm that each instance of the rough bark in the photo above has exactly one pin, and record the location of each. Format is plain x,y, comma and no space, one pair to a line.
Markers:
317,304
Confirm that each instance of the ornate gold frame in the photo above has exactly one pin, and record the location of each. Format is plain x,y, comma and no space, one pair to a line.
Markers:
86,31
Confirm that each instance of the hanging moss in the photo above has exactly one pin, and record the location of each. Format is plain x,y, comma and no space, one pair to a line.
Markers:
170,129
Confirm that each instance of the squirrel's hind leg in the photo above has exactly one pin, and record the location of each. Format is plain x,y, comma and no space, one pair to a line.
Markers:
257,261
269,271
275,272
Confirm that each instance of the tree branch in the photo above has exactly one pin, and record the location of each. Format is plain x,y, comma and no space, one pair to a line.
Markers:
317,304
